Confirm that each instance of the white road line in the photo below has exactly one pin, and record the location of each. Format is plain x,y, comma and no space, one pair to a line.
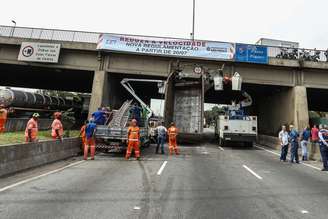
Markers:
252,172
159,172
221,148
39,176
272,152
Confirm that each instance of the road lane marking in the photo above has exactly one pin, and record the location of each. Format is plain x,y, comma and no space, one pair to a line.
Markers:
136,208
304,212
252,172
159,172
221,148
272,152
39,176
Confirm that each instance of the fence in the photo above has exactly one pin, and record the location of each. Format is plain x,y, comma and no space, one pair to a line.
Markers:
92,37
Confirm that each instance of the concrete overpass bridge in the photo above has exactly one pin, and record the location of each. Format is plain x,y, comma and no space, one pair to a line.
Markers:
283,90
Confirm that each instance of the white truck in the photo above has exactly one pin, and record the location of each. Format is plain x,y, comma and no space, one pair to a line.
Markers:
236,129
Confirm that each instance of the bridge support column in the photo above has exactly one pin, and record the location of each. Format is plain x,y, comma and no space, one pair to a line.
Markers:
287,106
99,95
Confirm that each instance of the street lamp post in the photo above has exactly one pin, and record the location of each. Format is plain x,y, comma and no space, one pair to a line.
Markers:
193,20
13,30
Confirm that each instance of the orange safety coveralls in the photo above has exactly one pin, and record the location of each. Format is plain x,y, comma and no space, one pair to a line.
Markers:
173,132
83,136
133,138
3,119
89,142
57,125
33,126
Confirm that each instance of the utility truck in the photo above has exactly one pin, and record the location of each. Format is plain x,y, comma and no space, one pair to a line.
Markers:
113,136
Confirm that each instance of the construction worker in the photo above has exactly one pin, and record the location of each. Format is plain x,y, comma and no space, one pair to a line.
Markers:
57,127
82,134
90,141
135,111
323,138
31,131
293,137
161,137
173,132
99,116
3,118
133,140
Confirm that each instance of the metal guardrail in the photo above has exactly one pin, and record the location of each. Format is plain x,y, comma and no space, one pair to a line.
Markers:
49,34
92,37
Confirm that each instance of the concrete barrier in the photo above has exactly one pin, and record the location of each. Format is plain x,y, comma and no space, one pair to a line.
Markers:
18,157
274,143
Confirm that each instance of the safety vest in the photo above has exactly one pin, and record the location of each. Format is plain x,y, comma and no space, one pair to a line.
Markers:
57,125
134,133
3,114
33,126
173,132
83,131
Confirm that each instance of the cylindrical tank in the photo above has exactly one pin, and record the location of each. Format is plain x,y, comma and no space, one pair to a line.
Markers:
23,99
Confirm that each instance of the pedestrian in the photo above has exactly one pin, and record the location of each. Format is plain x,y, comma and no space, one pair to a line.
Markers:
90,130
3,118
283,137
314,139
173,132
304,142
135,111
99,116
82,134
31,131
323,138
57,129
293,137
133,140
161,137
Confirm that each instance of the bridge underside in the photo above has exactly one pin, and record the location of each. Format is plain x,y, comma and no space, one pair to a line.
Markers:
46,78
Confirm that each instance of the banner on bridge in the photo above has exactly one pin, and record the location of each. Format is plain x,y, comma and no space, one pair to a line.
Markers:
251,53
167,46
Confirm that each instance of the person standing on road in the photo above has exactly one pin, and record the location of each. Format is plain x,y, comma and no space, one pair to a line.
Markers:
173,132
90,130
283,137
57,129
293,137
133,140
304,143
83,135
323,138
31,131
314,139
161,137
3,118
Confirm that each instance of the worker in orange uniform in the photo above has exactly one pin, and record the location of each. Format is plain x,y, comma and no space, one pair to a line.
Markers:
57,129
133,140
31,131
3,118
173,132
82,134
90,140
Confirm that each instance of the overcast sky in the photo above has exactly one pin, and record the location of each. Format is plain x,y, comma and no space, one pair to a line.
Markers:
230,20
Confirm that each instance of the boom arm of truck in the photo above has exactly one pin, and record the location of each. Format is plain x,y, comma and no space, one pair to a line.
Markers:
125,83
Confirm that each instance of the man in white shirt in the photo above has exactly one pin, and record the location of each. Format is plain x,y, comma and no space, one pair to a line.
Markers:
283,137
161,137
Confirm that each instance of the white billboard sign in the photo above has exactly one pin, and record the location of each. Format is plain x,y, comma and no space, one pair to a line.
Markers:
39,52
166,46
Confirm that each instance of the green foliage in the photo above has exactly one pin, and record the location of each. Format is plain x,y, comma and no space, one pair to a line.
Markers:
211,115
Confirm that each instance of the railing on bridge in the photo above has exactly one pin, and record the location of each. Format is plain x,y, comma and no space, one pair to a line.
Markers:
92,37
49,34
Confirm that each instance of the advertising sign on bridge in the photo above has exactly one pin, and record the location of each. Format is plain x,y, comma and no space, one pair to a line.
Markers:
166,46
39,52
251,53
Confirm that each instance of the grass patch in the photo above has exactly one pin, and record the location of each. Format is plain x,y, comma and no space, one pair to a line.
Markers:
19,137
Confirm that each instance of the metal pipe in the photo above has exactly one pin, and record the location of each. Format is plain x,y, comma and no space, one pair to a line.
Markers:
193,21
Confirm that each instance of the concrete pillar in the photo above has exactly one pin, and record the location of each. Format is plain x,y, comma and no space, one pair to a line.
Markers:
301,111
99,95
288,106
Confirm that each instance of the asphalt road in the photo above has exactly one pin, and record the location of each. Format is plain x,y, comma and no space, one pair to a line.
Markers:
203,182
